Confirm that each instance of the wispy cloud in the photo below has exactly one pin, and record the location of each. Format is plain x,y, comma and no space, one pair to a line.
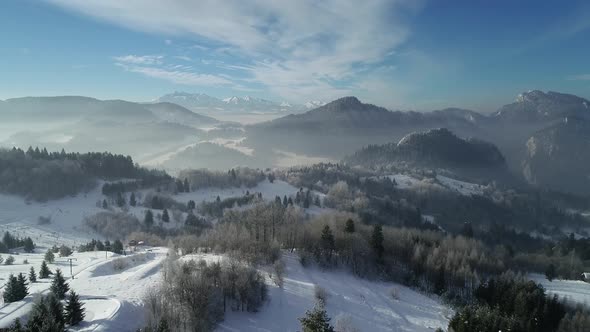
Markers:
297,49
140,59
177,75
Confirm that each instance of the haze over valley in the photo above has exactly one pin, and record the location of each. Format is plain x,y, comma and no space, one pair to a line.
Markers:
332,166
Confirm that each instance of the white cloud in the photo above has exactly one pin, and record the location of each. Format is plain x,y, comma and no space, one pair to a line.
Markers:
177,75
140,59
298,49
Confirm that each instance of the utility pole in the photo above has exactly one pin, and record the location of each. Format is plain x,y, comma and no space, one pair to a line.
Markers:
106,252
71,271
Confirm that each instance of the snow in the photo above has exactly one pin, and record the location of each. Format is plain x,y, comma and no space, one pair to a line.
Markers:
573,291
113,298
368,304
463,188
269,192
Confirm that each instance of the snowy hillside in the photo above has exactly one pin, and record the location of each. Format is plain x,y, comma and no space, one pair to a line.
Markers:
367,305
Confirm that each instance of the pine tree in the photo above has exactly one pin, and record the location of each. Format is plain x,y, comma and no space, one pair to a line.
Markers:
55,310
165,216
377,241
49,256
120,200
29,246
104,204
74,310
44,272
179,186
132,200
550,272
46,315
59,287
118,247
285,201
149,218
349,228
10,289
327,240
191,205
316,320
187,187
440,282
16,326
21,287
32,275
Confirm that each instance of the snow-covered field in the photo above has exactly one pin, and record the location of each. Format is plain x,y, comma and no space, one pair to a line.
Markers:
573,291
112,298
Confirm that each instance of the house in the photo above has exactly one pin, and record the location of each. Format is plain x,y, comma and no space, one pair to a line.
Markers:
586,276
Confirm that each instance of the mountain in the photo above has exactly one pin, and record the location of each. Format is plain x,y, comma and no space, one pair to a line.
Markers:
192,100
539,106
435,148
87,124
342,126
200,101
558,157
170,112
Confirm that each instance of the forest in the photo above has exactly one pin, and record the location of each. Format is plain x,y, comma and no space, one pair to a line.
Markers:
40,175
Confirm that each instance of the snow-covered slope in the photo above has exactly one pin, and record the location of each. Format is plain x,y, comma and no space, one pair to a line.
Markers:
367,305
573,291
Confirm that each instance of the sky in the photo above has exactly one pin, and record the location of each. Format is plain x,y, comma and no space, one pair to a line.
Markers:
401,54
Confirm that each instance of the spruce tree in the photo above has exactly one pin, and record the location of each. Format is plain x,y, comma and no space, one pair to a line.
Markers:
132,200
165,216
327,240
16,326
550,272
377,241
44,272
49,256
316,320
118,247
104,204
21,287
10,289
32,275
29,246
149,218
59,287
349,228
191,205
74,310
120,200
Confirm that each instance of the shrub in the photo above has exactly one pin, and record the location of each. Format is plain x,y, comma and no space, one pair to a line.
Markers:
9,260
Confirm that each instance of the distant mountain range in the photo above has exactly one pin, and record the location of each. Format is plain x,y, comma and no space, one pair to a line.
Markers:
543,136
525,131
200,101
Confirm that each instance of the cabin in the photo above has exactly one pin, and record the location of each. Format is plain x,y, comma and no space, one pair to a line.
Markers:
586,276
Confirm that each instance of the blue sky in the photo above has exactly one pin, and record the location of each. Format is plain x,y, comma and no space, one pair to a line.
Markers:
396,53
